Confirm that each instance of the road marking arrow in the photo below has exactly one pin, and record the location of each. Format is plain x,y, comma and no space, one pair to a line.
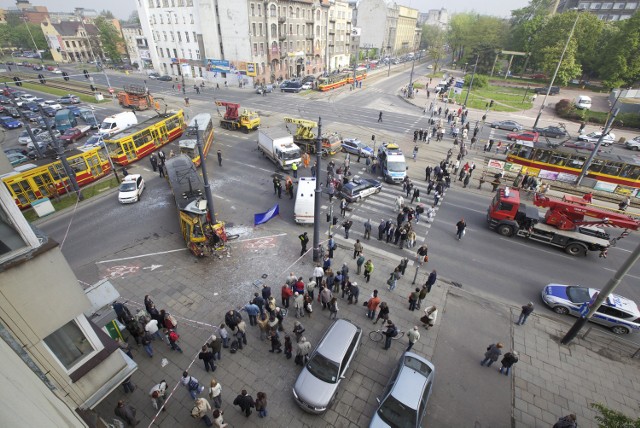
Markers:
152,267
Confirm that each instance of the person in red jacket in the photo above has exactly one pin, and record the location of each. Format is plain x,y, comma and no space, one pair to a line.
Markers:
286,293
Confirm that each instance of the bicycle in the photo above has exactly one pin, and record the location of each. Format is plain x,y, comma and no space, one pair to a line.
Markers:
378,335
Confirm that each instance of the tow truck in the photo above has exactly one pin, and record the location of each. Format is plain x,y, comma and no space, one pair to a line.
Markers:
305,137
232,119
564,224
136,97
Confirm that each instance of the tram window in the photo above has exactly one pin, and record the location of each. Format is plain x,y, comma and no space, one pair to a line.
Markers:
22,191
612,168
57,171
596,165
77,164
173,123
542,155
523,151
630,171
559,159
141,138
197,231
575,162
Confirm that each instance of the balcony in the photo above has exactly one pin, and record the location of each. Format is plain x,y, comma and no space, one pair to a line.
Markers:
309,37
281,19
282,37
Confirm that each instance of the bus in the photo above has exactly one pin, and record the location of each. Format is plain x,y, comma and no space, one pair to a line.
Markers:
203,125
50,180
326,83
199,234
541,157
140,140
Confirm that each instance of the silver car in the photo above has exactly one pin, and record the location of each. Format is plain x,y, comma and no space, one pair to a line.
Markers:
404,399
320,378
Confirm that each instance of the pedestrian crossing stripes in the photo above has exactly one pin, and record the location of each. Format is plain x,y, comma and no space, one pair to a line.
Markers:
375,208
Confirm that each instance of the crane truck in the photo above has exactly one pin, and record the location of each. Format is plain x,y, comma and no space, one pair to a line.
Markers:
233,119
563,226
136,97
306,138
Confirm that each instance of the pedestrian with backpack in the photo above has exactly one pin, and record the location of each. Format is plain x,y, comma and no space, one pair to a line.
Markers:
245,402
200,410
173,340
509,359
192,384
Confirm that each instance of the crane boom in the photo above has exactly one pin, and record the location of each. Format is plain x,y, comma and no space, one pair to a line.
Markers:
305,127
232,110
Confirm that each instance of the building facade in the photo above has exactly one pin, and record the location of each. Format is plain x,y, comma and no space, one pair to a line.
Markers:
57,365
605,10
405,41
137,46
72,41
435,17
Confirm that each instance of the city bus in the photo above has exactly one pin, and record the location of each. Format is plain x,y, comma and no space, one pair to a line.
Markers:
606,167
50,180
326,83
140,140
202,124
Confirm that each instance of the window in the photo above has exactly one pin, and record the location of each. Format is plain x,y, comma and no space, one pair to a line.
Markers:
179,36
253,29
253,9
290,29
150,4
297,30
173,3
607,5
175,53
164,34
197,53
272,11
290,11
69,345
191,16
618,5
186,36
274,30
631,6
261,48
168,53
162,20
182,51
73,43
165,3
172,37
542,156
189,3
160,52
190,54
595,6
260,28
611,168
259,10
157,3
297,12
67,43
255,49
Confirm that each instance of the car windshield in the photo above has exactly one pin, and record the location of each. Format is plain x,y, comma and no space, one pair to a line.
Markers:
70,131
396,166
396,414
290,155
578,294
323,369
128,186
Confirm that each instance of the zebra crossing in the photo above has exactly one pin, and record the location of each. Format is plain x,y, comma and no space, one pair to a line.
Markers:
375,208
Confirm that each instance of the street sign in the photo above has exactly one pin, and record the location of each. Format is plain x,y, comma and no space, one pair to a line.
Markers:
111,90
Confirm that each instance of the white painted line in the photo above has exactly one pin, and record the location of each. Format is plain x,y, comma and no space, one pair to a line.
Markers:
554,253
261,237
614,270
141,255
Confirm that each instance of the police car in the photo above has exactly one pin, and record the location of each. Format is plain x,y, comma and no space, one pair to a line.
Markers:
618,313
360,188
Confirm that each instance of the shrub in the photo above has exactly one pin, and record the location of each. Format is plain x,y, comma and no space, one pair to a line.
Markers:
479,81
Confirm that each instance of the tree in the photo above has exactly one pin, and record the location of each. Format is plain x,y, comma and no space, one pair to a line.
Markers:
433,38
110,39
107,14
16,34
471,33
134,18
569,69
621,62
609,418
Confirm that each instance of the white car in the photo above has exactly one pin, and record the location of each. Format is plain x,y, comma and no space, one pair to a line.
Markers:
633,144
53,104
24,138
307,85
595,136
131,189
27,97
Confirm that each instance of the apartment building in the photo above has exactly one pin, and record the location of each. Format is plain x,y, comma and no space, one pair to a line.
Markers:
605,10
137,46
57,365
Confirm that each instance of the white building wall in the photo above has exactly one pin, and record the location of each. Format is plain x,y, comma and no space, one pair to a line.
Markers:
372,16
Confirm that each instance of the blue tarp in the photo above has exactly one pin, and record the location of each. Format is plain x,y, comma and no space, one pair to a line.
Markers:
261,218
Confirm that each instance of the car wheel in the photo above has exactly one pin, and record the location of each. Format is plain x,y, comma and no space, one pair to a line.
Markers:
576,249
359,198
515,129
618,329
561,310
505,230
635,149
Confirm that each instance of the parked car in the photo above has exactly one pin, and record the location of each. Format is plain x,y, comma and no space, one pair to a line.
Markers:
31,116
356,147
131,189
95,140
291,87
593,137
618,313
24,137
509,125
12,111
10,123
4,100
551,131
633,144
75,110
307,86
31,106
555,90
27,97
165,78
69,99
54,104
404,399
360,188
49,111
17,158
583,145
154,75
264,88
523,136
321,376
72,135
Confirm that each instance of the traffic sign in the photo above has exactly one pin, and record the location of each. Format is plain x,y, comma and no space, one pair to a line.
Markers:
111,90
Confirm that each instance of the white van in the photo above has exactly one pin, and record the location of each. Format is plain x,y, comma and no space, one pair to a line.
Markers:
117,122
583,102
303,209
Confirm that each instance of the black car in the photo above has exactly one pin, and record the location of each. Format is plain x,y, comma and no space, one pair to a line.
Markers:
12,111
555,90
4,100
49,111
360,188
165,78
31,106
291,87
551,131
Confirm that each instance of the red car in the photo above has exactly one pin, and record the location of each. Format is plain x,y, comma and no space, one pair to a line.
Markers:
523,136
72,135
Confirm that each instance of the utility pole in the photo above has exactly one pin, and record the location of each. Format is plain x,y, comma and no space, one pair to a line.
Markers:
317,202
473,75
205,177
606,291
605,131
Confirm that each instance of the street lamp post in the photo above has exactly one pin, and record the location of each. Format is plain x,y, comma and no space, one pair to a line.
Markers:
473,75
35,46
113,167
555,73
318,193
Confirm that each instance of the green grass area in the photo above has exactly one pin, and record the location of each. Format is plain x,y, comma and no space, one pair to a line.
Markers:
418,85
69,199
507,99
57,92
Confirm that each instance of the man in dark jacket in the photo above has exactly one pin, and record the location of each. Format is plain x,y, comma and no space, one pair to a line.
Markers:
232,318
524,314
304,240
207,358
127,413
245,402
433,276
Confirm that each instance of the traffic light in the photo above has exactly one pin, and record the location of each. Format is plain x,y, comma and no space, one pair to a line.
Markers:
65,75
335,220
328,218
18,81
86,73
373,138
491,103
42,79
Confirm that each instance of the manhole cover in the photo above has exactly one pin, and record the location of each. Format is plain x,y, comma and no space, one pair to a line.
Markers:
258,283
